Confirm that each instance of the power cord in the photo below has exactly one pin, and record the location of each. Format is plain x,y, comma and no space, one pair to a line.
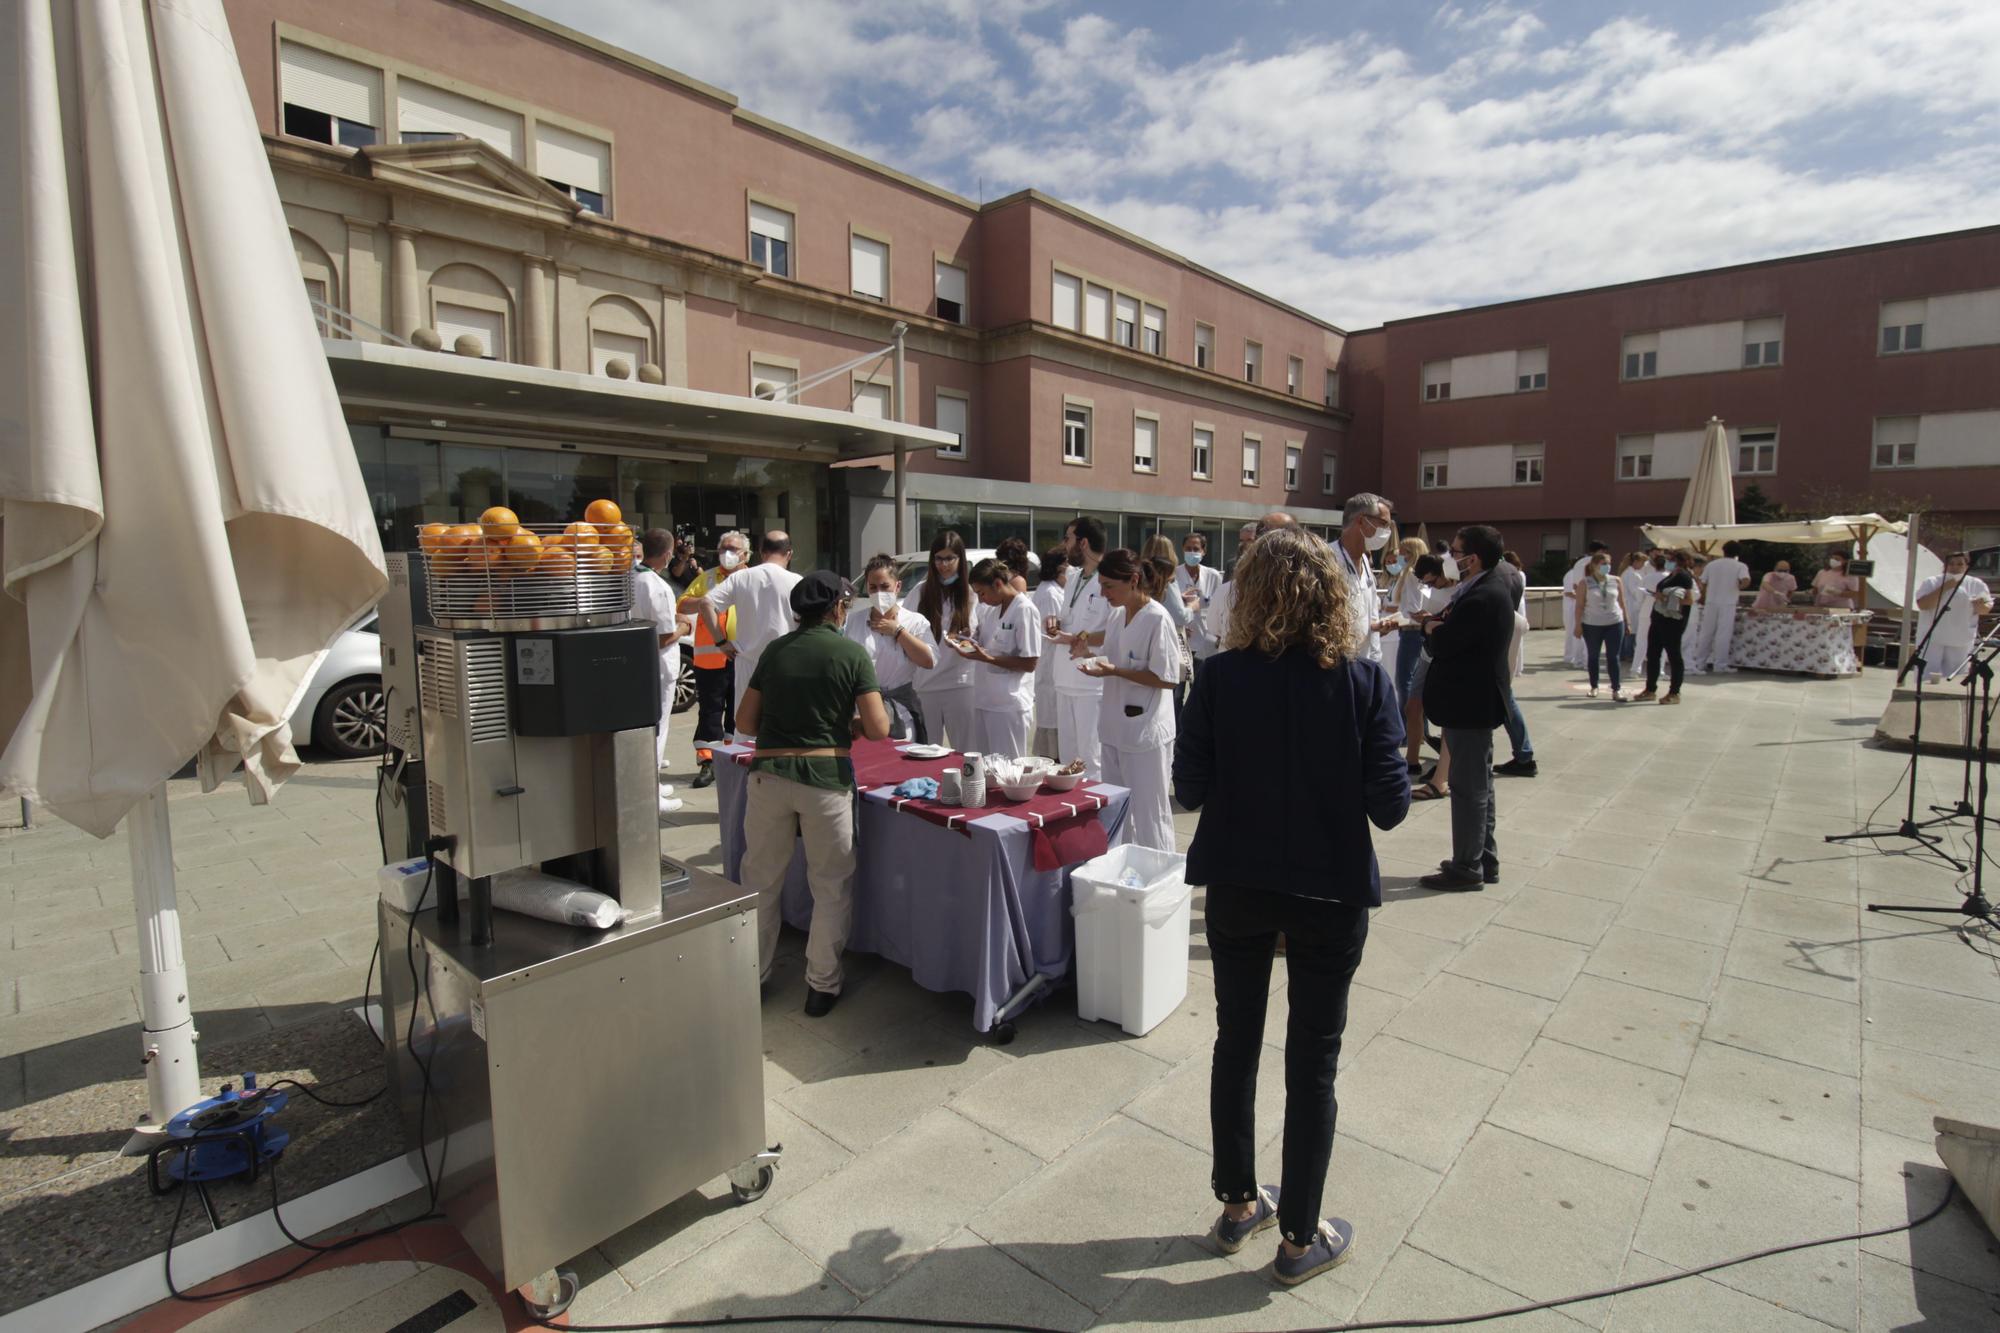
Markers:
1440,1322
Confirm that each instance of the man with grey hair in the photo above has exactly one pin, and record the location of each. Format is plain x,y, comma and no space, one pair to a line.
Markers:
1366,526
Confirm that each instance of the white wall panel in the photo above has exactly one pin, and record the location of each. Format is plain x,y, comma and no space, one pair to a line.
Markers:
1479,376
1959,439
1695,349
1482,464
1675,451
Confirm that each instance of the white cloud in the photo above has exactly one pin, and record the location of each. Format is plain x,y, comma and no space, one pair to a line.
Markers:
1363,180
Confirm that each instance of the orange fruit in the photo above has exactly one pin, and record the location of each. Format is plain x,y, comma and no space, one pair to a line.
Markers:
556,559
431,536
617,539
603,512
576,534
518,553
500,521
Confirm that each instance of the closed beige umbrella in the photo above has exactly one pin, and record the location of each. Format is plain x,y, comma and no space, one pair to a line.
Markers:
183,526
1711,491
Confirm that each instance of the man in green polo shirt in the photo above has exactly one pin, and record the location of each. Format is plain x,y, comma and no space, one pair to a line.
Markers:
813,691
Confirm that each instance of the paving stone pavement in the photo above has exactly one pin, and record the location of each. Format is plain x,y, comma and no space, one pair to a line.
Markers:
1668,1036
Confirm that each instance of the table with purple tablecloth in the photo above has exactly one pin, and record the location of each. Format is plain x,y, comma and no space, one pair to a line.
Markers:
964,908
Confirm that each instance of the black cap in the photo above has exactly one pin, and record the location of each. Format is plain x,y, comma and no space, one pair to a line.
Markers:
817,592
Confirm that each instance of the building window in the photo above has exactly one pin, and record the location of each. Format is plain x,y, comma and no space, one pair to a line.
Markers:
328,99
1203,455
869,400
1295,371
1528,465
1252,447
1763,339
869,263
949,284
1435,473
1903,338
1756,453
1896,455
1145,444
316,297
1437,381
1065,296
1153,331
1530,382
1076,435
1531,369
1096,311
1204,347
578,166
1635,460
1642,365
1253,362
773,383
1760,353
954,414
1329,470
1332,395
1125,328
424,113
591,200
455,321
1292,452
1896,442
771,239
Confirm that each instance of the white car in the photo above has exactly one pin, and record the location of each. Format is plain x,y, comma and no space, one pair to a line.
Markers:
342,710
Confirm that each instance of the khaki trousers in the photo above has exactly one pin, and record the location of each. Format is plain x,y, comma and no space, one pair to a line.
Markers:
777,812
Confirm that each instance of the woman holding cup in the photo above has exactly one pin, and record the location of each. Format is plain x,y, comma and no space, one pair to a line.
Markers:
1140,665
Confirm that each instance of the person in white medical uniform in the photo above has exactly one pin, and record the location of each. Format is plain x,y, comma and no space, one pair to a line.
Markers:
1954,600
1721,580
1049,597
1572,645
1081,630
1367,527
1217,617
653,601
762,597
1004,649
944,599
1141,663
1637,579
898,643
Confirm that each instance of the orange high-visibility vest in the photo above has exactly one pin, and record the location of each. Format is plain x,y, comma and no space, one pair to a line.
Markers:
707,656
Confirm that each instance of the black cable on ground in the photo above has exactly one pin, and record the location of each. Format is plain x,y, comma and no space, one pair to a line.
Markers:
1442,1321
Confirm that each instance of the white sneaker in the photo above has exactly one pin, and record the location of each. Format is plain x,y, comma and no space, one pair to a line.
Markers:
670,805
666,789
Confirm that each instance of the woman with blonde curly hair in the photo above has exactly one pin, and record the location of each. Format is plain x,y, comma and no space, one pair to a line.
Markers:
1290,747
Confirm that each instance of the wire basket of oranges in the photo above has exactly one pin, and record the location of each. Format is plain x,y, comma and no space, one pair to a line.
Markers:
500,573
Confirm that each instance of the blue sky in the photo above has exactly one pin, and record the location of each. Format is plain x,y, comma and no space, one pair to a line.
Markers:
1370,159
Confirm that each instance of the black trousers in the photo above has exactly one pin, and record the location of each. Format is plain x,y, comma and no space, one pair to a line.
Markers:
1664,636
1323,943
715,704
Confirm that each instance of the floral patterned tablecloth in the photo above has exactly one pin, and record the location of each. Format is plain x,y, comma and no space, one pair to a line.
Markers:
1817,643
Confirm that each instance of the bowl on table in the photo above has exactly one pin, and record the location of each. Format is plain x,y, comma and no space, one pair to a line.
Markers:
1061,781
1022,790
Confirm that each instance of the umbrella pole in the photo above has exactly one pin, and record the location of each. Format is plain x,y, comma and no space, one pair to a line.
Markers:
173,1077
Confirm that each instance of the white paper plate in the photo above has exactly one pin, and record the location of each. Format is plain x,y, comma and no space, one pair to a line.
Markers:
915,751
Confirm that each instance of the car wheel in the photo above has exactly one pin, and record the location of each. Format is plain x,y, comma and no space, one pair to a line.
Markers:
353,722
684,693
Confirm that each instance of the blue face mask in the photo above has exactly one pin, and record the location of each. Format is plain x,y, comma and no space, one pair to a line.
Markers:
947,580
1191,558
1397,566
1673,565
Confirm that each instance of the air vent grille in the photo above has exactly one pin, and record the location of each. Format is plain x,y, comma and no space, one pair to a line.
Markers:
440,820
486,689
437,675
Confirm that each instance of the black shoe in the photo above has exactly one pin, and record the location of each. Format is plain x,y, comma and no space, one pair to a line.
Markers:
1516,768
1454,880
706,777
819,1003
1487,874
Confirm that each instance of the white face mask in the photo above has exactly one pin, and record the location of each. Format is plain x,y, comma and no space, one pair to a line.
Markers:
731,559
1450,570
1378,539
884,601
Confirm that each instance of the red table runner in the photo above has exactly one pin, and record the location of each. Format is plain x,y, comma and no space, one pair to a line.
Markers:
1065,823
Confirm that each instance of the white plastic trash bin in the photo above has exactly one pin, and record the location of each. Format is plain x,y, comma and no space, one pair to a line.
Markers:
1131,943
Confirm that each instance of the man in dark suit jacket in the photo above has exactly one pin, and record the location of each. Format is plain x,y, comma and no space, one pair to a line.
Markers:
1466,692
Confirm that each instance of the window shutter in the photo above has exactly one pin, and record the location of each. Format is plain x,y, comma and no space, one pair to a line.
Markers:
871,267
320,82
1156,319
604,345
1063,301
1097,312
572,159
953,415
872,400
429,110
772,222
951,284
489,326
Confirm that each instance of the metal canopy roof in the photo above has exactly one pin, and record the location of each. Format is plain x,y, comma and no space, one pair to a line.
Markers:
467,393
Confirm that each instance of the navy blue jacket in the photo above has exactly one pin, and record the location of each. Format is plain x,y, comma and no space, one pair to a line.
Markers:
1288,763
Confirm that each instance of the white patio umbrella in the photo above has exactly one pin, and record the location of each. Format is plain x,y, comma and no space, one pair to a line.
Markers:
1711,492
183,527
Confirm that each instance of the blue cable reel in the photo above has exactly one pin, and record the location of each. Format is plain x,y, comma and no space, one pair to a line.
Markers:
229,1135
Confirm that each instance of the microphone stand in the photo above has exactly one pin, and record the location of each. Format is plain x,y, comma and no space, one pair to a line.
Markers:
1975,906
1909,827
1963,806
